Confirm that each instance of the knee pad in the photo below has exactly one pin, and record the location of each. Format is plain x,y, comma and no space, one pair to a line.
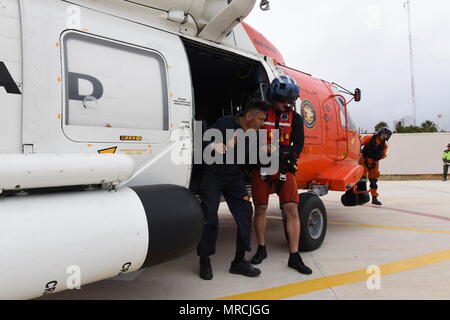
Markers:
373,184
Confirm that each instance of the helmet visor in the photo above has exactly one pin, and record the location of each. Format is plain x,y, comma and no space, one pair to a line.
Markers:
283,99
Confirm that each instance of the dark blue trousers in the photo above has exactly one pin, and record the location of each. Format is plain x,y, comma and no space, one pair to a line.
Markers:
213,183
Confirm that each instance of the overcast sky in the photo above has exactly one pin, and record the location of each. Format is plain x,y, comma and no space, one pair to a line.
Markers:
364,43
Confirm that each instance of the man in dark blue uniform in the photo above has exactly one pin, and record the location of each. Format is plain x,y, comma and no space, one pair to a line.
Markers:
229,179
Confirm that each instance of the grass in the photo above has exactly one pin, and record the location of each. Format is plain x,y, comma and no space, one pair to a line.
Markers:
406,177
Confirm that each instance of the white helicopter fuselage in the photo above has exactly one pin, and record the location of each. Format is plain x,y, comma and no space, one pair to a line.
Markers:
96,101
102,76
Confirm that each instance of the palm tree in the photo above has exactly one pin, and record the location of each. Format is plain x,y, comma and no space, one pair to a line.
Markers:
429,126
380,124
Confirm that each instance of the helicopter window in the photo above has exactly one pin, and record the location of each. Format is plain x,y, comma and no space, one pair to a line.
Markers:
109,84
351,124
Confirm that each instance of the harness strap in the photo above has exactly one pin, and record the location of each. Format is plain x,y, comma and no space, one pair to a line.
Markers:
367,164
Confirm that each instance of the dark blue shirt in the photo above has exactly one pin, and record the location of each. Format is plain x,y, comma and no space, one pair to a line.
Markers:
227,166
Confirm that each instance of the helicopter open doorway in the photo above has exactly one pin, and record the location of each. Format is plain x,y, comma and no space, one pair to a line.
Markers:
223,83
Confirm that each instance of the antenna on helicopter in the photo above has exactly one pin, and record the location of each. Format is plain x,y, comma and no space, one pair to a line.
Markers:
264,5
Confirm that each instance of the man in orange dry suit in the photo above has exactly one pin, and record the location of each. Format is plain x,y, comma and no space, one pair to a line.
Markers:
282,95
374,148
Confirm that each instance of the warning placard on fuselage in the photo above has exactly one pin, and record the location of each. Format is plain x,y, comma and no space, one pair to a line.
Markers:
182,102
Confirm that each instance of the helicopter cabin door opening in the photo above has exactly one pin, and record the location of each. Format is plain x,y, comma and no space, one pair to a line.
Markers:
223,83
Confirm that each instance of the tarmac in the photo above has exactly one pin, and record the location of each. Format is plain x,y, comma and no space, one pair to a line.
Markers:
400,250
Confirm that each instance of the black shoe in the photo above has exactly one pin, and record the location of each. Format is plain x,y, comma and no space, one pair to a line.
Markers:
375,201
245,268
205,268
260,255
296,262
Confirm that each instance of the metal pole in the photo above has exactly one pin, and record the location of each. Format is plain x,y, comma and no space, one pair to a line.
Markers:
411,55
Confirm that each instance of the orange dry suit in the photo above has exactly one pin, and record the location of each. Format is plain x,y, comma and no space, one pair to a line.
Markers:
373,150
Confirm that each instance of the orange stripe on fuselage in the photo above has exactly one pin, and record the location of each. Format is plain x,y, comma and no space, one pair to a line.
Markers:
262,45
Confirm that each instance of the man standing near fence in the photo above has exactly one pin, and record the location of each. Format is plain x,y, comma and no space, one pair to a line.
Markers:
446,159
374,149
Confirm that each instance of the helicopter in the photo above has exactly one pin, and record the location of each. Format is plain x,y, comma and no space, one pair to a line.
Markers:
97,97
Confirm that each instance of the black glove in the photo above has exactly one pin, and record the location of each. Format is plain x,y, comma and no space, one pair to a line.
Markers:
375,159
288,161
292,166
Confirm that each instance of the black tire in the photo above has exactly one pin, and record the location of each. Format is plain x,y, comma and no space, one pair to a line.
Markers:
311,237
351,199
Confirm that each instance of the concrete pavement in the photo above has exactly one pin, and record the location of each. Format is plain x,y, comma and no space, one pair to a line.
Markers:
408,239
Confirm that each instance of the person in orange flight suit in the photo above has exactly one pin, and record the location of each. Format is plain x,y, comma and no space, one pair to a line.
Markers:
374,148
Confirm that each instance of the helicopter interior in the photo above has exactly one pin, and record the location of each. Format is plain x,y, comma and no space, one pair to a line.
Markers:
223,83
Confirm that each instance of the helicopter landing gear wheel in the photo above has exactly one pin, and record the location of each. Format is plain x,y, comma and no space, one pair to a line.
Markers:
313,222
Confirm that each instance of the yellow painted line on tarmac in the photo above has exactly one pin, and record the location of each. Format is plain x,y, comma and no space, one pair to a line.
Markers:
304,287
378,227
388,227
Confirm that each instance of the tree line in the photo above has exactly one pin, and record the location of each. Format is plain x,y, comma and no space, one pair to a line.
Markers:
426,126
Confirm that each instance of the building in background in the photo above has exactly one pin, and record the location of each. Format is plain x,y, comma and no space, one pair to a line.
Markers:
406,121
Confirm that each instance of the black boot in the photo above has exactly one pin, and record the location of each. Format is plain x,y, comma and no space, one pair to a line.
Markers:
260,255
375,201
296,262
205,268
244,267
